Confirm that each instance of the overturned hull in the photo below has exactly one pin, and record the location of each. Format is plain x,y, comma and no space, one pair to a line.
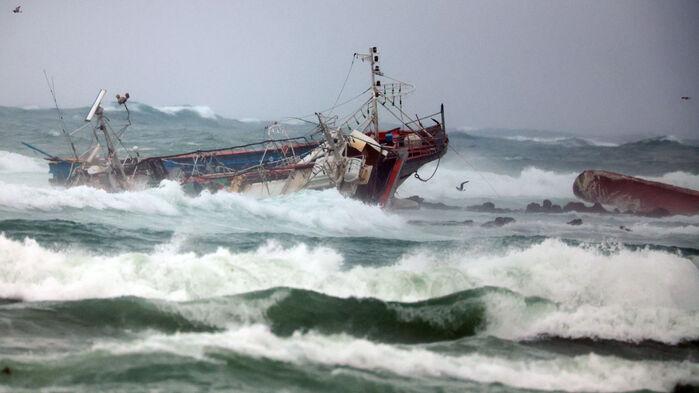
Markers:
636,195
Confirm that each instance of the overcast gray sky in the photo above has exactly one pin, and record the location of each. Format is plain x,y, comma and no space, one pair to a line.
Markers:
589,67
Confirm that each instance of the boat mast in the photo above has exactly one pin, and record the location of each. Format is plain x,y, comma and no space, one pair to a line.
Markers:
373,58
112,156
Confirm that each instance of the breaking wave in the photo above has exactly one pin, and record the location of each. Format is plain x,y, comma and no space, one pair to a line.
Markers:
530,183
564,141
583,291
200,110
18,163
311,212
680,179
579,373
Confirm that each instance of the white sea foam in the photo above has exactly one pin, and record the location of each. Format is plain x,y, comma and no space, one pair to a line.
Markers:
625,295
114,106
249,120
25,197
678,178
309,212
201,110
605,293
562,140
531,182
18,163
652,230
580,373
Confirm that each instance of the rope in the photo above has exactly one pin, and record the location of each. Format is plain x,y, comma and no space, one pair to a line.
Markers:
432,175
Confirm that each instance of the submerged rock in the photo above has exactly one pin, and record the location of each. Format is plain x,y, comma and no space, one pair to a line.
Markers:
498,222
442,223
487,207
533,208
582,208
545,207
658,212
399,203
431,205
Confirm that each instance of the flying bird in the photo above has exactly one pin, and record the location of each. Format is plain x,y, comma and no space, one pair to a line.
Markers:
17,10
685,98
461,186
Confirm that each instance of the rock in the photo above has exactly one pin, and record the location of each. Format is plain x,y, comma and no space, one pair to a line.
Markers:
598,208
685,388
574,207
658,212
416,198
576,221
398,203
582,208
533,208
545,207
432,205
487,207
442,223
498,222
624,228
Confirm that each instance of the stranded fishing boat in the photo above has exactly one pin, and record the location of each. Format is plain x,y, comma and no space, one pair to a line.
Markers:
353,155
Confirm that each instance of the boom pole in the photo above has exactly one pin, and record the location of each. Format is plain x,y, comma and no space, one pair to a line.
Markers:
60,115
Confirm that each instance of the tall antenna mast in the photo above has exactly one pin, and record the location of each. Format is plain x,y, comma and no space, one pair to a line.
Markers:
373,58
60,115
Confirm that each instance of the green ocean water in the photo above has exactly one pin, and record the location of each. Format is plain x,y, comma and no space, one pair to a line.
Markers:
157,290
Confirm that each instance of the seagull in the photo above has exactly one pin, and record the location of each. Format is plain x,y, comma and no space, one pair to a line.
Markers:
17,10
461,186
685,98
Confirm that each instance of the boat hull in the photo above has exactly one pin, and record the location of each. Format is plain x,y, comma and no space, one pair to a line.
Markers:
270,170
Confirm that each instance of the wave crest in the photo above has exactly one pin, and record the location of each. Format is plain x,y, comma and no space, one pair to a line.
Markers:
18,163
591,291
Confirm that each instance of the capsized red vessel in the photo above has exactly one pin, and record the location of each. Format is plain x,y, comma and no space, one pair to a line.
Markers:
633,194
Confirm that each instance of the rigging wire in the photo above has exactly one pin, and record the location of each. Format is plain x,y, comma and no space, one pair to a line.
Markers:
339,95
475,170
345,82
60,114
328,109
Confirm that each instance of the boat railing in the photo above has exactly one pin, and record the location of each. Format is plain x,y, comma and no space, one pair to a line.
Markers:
301,140
419,120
